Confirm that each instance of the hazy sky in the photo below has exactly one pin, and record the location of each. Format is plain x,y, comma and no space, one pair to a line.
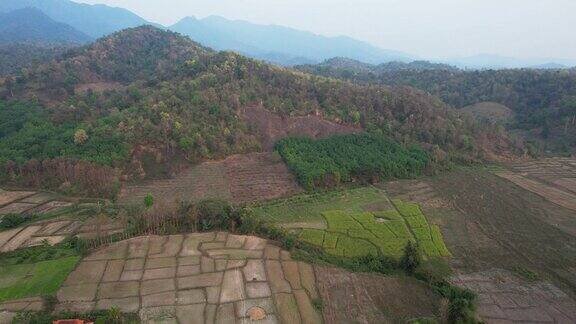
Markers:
427,28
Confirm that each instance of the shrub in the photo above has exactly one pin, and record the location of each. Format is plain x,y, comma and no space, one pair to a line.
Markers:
13,220
411,258
215,214
148,200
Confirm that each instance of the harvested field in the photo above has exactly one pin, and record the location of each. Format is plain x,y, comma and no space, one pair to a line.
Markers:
272,127
557,196
203,181
259,176
239,179
29,202
504,297
7,197
497,224
490,224
307,208
367,298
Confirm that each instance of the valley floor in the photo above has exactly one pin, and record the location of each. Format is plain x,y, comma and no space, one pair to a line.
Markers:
510,230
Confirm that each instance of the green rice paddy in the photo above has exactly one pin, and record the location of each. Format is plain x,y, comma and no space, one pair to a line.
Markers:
351,234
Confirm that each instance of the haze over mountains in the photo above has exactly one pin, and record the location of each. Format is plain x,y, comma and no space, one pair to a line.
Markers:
32,25
277,44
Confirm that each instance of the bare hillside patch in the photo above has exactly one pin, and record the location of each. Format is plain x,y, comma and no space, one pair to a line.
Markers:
272,127
492,111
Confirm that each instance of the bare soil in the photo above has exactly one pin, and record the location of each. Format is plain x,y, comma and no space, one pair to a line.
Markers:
239,179
497,224
272,127
368,298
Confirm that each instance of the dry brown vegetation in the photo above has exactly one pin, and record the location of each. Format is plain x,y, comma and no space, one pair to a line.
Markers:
239,179
271,127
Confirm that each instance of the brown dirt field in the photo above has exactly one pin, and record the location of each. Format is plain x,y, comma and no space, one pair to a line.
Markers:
259,176
557,196
368,298
272,127
493,228
497,224
239,179
567,183
203,181
7,197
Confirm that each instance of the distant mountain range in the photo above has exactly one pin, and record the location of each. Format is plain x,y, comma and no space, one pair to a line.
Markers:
280,44
272,43
30,25
489,61
93,20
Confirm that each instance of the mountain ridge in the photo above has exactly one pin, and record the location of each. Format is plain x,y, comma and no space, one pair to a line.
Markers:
30,25
264,41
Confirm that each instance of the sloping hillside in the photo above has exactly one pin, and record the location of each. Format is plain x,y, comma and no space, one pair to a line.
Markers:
30,25
163,98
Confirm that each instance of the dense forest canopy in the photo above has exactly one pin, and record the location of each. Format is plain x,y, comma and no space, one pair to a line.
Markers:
145,90
544,100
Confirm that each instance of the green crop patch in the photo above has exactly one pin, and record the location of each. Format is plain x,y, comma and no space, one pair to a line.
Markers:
310,207
352,233
34,279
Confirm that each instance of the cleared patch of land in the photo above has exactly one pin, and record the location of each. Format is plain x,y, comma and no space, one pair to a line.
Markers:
557,196
366,298
491,111
272,127
504,297
239,179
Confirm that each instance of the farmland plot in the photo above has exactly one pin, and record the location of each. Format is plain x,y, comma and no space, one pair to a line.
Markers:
356,234
238,179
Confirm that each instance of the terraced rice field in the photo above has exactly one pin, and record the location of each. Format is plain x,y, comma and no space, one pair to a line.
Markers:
352,234
30,202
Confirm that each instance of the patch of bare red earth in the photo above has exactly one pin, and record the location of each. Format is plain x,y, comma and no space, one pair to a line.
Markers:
272,127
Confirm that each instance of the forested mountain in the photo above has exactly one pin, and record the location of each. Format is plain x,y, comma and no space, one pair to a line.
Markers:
93,20
148,90
30,25
544,101
14,57
282,45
